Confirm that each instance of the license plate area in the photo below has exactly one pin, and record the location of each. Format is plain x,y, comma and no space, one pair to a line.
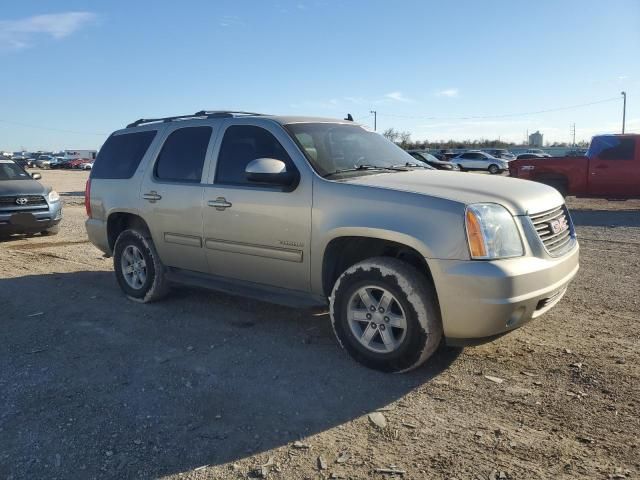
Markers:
23,219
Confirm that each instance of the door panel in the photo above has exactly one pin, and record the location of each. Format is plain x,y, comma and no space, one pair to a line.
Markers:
172,195
254,232
614,166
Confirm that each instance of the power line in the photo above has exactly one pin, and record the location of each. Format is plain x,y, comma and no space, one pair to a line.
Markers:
506,115
51,129
372,113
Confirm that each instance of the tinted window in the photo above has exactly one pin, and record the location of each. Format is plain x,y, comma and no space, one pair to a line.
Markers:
242,144
9,170
612,148
182,156
120,155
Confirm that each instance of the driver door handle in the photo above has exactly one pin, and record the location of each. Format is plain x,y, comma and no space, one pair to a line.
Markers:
152,196
219,203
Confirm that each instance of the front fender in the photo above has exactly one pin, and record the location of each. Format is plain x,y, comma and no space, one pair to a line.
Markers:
432,226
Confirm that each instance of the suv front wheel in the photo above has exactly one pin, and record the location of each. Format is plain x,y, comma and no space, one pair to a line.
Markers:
384,313
138,268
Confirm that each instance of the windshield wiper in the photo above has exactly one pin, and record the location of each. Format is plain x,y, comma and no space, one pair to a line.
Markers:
413,165
393,168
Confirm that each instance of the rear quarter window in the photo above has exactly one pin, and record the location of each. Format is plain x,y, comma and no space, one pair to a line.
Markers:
121,154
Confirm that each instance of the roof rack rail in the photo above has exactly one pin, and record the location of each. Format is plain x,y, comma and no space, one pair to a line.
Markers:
200,114
224,113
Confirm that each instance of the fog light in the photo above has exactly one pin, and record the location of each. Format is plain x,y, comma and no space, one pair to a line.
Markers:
516,317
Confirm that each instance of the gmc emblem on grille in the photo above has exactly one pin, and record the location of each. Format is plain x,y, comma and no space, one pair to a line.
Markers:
22,201
559,225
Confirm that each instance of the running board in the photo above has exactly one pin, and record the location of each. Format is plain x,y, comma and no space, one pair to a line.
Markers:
256,291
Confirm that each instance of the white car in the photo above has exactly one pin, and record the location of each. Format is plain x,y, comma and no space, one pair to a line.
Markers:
537,151
480,161
86,166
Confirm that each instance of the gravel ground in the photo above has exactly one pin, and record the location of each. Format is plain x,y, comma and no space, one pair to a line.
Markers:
206,385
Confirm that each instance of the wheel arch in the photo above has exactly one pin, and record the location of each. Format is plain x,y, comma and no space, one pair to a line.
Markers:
119,221
343,251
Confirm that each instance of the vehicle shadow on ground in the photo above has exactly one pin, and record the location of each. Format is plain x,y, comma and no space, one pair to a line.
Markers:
606,218
94,385
77,193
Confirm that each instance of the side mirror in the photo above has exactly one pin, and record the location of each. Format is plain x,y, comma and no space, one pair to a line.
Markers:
36,176
269,170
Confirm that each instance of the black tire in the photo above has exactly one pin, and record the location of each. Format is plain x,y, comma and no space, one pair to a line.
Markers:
51,230
415,295
156,285
494,169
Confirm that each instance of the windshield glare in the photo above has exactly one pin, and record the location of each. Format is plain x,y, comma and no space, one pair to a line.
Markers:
429,157
11,171
334,146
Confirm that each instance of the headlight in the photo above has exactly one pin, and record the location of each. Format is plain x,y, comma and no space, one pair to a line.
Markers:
53,196
492,232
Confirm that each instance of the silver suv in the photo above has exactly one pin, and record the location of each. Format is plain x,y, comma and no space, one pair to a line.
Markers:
307,211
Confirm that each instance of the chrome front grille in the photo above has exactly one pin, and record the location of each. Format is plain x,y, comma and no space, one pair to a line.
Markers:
555,230
32,200
32,203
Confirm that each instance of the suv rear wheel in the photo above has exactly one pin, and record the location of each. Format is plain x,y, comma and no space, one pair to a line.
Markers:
384,313
138,268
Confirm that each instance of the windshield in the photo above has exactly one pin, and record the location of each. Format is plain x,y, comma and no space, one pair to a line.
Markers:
428,157
9,170
331,147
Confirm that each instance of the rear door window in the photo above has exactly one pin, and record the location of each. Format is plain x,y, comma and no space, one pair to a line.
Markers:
182,156
612,148
121,154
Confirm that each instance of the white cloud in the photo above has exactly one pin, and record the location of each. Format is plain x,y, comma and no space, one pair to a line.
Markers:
448,92
231,21
398,97
18,34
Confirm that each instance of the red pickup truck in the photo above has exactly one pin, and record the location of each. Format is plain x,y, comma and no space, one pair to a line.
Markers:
610,169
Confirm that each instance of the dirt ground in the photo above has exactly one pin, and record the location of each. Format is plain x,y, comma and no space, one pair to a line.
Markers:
209,386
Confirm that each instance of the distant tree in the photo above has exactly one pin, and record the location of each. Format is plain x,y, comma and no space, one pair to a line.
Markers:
405,139
391,134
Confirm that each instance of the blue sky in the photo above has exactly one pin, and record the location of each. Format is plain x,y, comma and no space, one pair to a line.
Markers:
80,69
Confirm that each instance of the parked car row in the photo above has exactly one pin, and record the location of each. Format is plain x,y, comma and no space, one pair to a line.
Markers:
75,159
472,160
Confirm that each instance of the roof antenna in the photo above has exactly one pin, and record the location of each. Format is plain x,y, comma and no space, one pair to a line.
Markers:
349,118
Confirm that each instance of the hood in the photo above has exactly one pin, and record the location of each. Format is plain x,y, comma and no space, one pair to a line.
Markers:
520,197
21,187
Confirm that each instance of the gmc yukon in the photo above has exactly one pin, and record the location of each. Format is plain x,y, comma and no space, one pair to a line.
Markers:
307,211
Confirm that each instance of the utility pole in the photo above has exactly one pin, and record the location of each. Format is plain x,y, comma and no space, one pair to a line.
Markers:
624,108
375,119
572,131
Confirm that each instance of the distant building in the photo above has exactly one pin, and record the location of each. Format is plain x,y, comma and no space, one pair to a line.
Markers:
535,139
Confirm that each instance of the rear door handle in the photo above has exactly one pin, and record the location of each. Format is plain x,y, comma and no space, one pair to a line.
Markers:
219,203
152,196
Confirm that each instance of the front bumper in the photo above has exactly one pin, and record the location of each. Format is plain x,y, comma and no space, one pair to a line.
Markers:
484,299
30,219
